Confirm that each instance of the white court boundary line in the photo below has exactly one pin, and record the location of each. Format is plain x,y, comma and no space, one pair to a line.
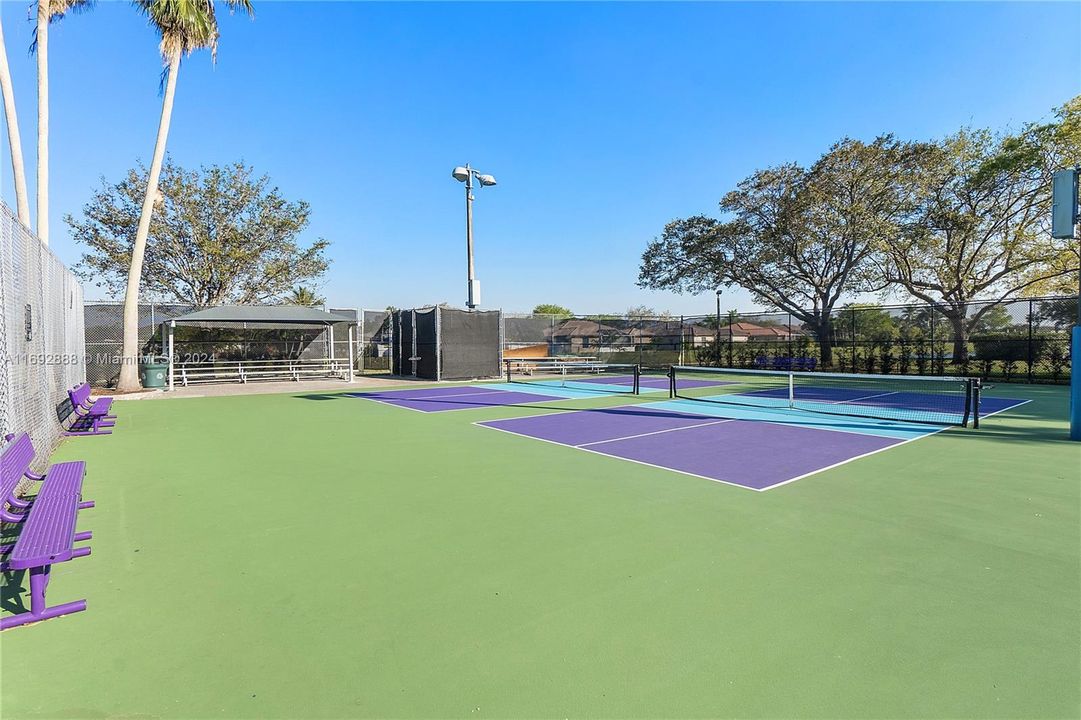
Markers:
615,457
585,446
540,398
655,432
395,402
431,397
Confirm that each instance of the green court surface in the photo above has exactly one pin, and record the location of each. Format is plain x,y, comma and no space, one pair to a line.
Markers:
321,556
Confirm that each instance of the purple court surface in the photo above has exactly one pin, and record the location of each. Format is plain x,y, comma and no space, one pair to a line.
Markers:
748,453
458,397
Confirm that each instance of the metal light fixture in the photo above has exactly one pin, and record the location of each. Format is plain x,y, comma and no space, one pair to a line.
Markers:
466,174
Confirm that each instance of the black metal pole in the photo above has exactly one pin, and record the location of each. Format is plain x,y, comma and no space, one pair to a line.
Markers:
1031,356
731,322
717,335
853,311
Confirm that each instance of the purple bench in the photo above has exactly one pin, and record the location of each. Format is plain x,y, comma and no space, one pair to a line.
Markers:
91,417
47,525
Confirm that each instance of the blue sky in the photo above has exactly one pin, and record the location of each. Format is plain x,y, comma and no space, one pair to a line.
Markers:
601,121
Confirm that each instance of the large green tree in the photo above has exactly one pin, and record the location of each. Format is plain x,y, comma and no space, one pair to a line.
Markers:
552,309
184,27
219,234
978,225
797,238
1054,146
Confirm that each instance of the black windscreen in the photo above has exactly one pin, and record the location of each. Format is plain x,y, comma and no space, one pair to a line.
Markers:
403,342
470,344
427,343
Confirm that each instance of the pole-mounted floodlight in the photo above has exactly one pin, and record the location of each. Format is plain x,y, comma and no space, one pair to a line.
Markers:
465,174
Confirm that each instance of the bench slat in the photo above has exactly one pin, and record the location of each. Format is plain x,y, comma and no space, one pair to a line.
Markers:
48,534
14,462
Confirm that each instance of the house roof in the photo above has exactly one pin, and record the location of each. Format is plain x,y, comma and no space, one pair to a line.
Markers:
582,328
753,330
263,315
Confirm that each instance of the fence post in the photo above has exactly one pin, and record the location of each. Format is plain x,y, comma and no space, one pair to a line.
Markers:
679,355
731,322
931,355
790,338
1031,357
853,341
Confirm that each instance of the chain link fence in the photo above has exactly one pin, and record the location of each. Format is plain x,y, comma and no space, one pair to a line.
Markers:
1021,340
42,353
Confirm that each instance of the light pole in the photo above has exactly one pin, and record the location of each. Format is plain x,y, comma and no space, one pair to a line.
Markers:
465,175
717,339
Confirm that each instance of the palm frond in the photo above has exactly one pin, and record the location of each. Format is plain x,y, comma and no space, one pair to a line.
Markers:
186,25
57,10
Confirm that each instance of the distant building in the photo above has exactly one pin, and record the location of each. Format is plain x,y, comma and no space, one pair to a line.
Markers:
744,332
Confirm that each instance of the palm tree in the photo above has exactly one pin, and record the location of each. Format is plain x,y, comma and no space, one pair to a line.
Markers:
48,11
15,143
185,26
304,296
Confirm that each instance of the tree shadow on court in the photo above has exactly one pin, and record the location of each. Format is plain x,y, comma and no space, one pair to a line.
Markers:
13,592
459,404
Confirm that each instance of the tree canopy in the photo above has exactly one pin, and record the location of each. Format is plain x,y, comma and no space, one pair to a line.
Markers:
552,309
219,234
948,222
797,238
307,297
978,226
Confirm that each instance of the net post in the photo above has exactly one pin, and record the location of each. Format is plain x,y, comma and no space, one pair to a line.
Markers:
791,389
977,387
637,378
506,364
671,381
970,389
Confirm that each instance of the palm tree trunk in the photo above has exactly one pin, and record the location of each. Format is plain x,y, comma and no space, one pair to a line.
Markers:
15,143
129,369
43,120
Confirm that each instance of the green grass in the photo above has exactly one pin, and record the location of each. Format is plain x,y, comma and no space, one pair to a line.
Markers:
276,556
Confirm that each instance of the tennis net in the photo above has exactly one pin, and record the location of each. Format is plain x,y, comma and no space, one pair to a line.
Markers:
934,400
586,376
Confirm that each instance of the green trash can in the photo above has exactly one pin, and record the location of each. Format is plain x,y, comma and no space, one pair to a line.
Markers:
154,372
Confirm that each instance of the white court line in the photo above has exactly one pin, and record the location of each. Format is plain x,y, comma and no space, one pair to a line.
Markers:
1006,409
432,397
899,443
584,447
925,428
655,432
617,457
397,402
865,397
